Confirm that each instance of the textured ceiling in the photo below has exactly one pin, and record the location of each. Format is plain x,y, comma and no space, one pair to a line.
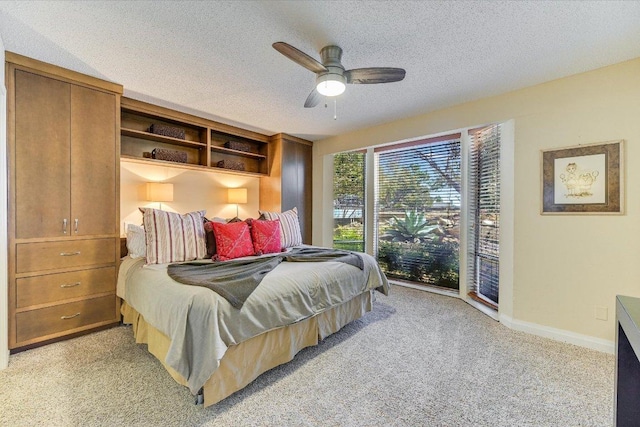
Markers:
214,58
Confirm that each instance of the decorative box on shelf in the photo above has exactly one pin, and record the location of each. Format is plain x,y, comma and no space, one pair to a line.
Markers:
231,164
170,155
237,145
165,130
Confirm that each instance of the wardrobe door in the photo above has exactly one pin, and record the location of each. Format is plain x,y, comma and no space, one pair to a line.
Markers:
296,183
42,161
93,169
305,177
291,190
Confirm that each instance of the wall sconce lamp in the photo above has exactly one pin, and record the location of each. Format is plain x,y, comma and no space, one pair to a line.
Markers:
159,192
237,196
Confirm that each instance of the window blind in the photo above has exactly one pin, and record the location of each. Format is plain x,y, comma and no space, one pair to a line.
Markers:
484,213
349,200
417,211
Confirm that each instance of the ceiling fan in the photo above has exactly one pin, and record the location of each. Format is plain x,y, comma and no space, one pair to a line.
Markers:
331,77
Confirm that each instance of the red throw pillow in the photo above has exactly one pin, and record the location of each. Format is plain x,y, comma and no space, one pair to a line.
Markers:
266,236
233,240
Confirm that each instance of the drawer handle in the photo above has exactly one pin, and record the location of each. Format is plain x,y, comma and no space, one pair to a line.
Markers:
69,253
70,285
70,317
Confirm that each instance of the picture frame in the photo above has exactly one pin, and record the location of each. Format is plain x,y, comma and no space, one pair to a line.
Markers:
583,179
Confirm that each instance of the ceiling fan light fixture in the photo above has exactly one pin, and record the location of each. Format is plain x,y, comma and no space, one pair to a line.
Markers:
331,84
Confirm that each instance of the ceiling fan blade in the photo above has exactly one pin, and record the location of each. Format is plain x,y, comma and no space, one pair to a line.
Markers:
299,57
313,99
374,75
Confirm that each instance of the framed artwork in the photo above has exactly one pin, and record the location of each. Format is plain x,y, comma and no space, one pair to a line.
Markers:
586,179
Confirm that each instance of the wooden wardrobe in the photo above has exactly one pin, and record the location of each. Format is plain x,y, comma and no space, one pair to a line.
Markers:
289,182
63,228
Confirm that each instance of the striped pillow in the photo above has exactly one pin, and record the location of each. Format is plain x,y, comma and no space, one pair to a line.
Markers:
172,237
289,226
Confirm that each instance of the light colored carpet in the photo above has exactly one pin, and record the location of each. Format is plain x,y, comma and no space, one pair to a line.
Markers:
418,359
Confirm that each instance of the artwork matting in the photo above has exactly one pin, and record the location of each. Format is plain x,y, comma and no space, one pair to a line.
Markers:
584,179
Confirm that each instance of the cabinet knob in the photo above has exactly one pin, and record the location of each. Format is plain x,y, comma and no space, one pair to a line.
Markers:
76,225
64,226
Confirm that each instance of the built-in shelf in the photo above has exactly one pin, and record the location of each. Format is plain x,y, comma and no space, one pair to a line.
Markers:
238,152
132,159
160,138
203,145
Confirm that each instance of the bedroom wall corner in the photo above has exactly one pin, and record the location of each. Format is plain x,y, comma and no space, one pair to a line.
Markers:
563,266
4,327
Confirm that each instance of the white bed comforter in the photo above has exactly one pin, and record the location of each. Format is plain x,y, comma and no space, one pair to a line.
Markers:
202,325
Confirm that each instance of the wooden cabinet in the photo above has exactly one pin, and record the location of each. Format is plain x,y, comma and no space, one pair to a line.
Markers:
289,182
204,144
63,146
42,162
55,123
94,162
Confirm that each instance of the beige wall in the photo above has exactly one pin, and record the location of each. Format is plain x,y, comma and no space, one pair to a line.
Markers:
564,266
192,190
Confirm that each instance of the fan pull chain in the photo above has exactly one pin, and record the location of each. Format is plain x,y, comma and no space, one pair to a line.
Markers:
335,109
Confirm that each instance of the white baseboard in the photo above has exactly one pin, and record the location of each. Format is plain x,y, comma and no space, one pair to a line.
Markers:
559,334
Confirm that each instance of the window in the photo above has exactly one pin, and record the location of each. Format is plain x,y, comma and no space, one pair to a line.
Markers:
484,214
417,206
349,200
417,211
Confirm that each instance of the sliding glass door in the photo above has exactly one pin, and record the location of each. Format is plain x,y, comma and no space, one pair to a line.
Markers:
484,214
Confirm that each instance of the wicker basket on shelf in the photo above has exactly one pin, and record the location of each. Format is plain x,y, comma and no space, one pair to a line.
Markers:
165,130
231,164
169,155
237,145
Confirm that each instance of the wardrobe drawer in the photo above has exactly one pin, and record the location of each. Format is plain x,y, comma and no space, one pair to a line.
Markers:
65,317
64,254
61,286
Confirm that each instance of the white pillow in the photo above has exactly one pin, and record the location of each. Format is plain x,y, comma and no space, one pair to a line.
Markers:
136,246
289,226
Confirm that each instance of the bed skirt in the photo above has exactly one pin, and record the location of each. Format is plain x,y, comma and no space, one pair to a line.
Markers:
244,362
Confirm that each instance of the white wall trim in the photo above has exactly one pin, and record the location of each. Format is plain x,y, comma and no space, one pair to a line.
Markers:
481,308
326,238
559,334
507,218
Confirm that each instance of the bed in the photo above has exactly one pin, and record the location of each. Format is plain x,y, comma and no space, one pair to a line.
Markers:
215,349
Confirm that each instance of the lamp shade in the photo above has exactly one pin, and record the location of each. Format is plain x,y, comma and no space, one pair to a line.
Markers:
159,192
237,195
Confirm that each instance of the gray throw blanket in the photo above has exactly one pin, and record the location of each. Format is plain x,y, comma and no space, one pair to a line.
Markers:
235,280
